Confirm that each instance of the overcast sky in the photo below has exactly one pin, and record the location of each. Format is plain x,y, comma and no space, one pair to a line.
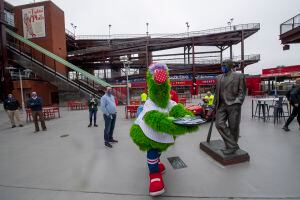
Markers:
169,16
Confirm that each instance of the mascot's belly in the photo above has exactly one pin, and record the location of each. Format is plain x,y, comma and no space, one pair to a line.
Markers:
145,143
152,134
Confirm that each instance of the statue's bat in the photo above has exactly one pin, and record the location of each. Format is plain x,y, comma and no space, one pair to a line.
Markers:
209,131
211,126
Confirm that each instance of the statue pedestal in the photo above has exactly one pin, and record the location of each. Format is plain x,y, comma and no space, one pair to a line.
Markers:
213,149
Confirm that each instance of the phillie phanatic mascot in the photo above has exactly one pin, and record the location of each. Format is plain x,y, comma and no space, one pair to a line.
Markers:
153,130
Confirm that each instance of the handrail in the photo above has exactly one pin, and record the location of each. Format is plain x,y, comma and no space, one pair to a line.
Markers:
211,61
290,24
57,58
8,18
69,33
171,35
48,69
116,41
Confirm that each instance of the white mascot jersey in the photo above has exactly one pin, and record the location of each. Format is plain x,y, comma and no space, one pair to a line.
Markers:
148,131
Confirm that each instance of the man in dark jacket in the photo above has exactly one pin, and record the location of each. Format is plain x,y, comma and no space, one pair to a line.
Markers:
93,108
293,96
11,106
36,106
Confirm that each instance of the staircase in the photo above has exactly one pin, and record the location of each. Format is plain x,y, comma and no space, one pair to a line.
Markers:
34,57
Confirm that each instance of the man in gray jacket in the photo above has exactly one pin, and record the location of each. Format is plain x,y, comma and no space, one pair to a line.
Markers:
109,109
230,95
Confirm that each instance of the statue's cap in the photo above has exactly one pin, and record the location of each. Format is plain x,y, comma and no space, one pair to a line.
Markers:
228,63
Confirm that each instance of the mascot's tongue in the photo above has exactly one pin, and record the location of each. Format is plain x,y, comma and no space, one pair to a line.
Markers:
160,76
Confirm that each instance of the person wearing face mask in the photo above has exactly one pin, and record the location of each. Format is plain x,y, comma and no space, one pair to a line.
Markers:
229,97
11,106
93,108
36,105
109,109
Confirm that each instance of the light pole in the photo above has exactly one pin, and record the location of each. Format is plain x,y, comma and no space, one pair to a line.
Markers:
188,28
125,61
229,23
275,91
278,74
109,27
275,85
21,84
147,24
74,28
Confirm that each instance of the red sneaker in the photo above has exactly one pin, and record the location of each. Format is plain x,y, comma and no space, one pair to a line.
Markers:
162,168
156,185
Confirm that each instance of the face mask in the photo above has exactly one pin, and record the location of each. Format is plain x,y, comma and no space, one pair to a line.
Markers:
225,69
109,92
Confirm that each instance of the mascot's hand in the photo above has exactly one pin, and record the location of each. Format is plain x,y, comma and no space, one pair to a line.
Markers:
161,122
171,118
179,111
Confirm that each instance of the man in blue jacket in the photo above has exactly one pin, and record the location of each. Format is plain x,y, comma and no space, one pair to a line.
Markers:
109,109
36,105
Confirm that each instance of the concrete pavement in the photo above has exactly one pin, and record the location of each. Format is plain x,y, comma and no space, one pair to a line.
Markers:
47,166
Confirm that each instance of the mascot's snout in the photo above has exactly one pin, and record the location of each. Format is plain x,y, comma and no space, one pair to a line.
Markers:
160,76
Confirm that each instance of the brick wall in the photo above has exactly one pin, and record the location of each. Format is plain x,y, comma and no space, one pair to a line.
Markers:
43,89
55,39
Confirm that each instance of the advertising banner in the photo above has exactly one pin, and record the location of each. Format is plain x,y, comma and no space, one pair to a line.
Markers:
34,22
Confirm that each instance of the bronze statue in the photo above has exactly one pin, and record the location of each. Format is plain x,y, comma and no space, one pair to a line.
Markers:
230,94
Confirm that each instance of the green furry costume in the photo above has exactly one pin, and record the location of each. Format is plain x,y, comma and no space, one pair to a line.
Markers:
159,121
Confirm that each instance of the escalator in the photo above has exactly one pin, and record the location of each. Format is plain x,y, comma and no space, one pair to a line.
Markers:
31,56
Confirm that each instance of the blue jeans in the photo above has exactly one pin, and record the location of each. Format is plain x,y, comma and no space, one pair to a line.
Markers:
93,113
110,122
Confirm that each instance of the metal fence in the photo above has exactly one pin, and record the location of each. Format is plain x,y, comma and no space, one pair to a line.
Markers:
24,75
170,35
69,33
290,24
252,57
8,17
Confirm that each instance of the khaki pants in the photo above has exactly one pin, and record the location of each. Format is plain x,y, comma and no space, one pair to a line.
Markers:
35,115
14,114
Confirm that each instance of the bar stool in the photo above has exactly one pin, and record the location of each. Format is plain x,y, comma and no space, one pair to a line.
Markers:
262,108
278,111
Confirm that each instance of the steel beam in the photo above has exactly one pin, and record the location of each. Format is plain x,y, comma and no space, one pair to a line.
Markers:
242,51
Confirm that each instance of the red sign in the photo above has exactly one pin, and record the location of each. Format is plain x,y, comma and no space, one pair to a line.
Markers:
280,70
181,83
138,85
177,83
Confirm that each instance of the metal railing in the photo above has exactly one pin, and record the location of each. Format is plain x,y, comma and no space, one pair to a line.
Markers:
107,45
290,24
48,62
253,57
171,35
25,75
43,70
69,33
56,59
8,18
